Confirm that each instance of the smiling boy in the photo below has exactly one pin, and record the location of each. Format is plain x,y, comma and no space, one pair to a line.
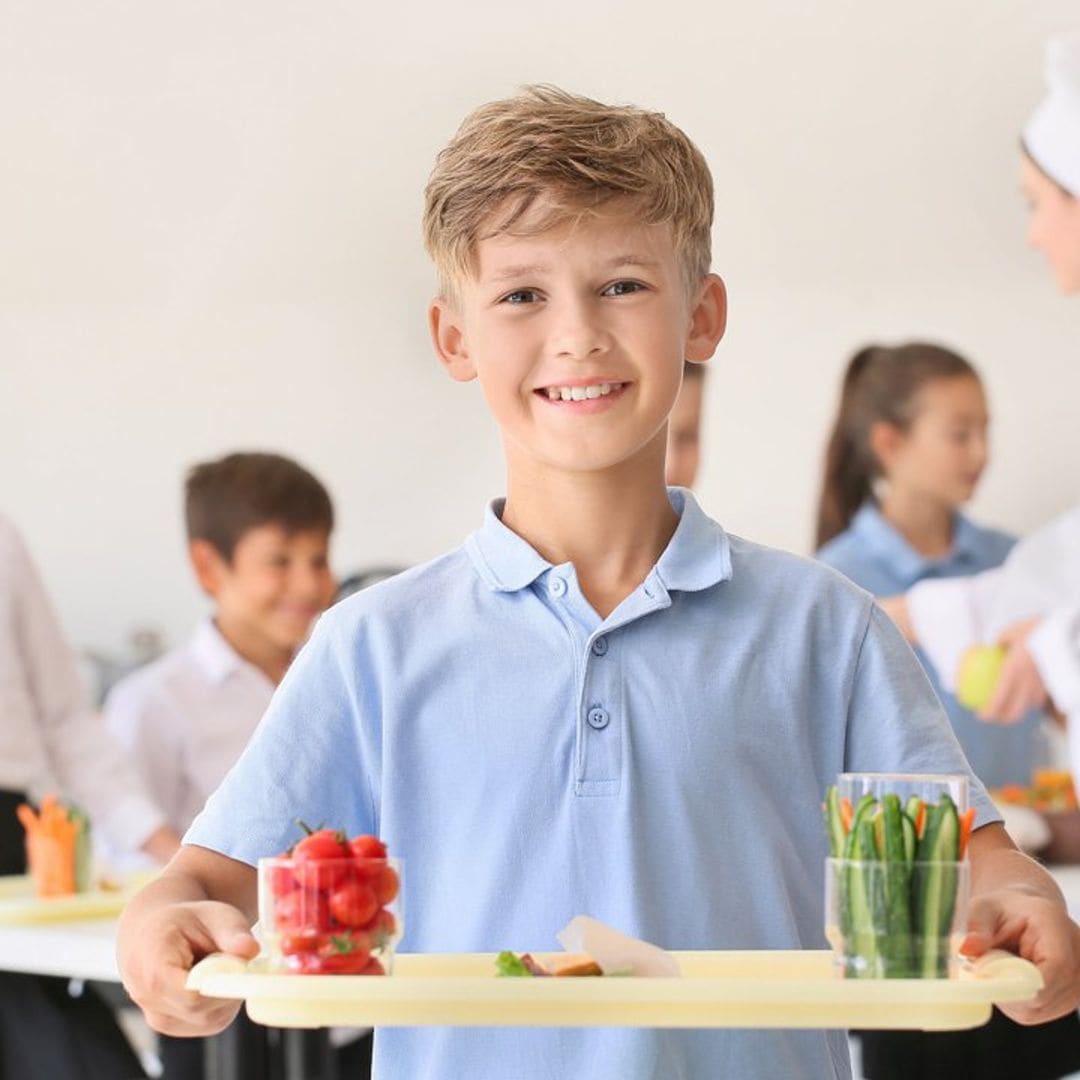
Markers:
601,702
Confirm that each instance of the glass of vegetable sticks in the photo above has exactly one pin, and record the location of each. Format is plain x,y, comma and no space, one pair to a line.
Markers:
897,879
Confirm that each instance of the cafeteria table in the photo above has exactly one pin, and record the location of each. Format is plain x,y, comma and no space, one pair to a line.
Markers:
87,950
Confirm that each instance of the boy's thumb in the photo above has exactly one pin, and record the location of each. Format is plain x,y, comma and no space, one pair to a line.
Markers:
982,927
228,929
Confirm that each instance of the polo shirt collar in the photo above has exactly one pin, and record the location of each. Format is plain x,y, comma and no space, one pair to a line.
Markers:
697,556
890,547
213,653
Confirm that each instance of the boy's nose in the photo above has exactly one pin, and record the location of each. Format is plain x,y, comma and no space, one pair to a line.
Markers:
578,334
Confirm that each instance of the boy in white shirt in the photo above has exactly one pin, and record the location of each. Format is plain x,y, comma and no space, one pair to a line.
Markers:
258,530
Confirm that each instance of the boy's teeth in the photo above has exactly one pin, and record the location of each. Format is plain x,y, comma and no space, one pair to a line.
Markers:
580,393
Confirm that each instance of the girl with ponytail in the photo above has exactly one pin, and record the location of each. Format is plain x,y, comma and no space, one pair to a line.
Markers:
906,452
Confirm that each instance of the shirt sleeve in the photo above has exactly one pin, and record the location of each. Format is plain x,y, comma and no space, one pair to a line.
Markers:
949,616
90,767
895,721
1055,646
311,758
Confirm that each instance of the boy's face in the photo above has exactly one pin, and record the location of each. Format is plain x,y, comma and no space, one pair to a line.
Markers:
578,336
273,587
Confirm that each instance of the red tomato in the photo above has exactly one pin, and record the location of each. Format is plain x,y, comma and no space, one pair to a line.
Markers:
382,927
373,968
323,854
339,954
367,847
281,879
386,885
305,940
301,909
353,903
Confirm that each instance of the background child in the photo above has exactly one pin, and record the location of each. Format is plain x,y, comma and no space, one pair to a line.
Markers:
684,429
601,702
906,452
258,530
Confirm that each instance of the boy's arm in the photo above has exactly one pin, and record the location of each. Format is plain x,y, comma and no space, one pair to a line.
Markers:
202,903
1016,905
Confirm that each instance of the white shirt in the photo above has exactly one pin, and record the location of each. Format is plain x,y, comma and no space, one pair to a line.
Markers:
50,739
1040,577
186,718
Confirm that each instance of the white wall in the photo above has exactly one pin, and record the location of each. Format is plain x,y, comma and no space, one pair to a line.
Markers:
209,239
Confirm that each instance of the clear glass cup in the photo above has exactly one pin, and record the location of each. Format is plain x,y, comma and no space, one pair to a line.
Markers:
896,916
896,920
927,786
340,916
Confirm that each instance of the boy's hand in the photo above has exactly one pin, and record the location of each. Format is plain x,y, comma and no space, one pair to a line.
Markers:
156,957
1037,928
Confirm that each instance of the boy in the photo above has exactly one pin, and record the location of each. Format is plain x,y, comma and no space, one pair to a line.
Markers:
601,703
258,530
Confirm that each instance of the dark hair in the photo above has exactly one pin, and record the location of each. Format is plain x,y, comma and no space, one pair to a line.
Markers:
693,371
226,498
881,383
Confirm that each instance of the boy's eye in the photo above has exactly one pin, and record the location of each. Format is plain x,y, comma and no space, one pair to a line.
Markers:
623,288
520,296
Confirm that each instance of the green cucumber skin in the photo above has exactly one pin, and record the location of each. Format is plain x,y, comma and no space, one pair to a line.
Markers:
863,810
896,949
935,891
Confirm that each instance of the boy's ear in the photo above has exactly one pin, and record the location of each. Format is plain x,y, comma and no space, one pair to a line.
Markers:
448,336
708,320
208,564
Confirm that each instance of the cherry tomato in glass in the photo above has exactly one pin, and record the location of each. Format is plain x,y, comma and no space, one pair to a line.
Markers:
373,968
382,927
304,940
386,885
367,847
327,852
353,903
281,879
302,909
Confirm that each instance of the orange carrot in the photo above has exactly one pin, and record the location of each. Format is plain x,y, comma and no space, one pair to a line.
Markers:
920,821
846,813
967,819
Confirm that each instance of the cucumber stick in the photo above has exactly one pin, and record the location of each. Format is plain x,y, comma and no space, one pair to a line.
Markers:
935,887
834,824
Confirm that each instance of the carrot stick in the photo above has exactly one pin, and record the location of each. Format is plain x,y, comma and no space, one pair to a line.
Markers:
920,821
967,819
846,813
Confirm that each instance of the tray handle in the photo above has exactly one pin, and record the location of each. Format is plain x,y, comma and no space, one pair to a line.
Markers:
999,964
214,964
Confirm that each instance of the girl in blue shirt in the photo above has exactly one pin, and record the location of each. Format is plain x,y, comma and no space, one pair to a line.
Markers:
906,452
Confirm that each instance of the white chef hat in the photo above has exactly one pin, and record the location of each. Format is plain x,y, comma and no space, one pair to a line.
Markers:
1052,135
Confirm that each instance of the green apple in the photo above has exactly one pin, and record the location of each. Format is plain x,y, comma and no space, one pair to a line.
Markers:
978,677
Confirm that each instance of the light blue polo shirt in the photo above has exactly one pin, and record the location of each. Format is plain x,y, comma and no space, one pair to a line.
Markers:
876,556
661,769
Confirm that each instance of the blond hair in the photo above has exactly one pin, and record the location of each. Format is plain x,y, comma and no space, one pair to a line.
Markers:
567,156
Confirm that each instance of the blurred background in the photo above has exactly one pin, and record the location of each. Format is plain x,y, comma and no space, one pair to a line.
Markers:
209,226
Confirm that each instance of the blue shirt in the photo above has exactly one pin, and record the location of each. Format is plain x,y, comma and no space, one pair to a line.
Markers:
661,769
875,555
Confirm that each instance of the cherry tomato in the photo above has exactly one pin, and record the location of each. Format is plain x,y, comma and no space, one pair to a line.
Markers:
386,885
304,940
302,909
281,880
367,847
373,968
382,927
339,954
324,850
353,903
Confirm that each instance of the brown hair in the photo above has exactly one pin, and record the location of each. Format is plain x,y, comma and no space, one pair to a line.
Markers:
569,156
881,383
224,499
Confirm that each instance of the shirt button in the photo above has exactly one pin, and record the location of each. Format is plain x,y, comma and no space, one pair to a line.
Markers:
600,647
557,587
598,717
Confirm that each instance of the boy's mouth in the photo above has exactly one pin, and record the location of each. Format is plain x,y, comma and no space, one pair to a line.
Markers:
581,392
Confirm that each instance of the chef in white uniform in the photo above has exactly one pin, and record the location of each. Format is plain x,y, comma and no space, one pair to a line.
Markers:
1032,602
